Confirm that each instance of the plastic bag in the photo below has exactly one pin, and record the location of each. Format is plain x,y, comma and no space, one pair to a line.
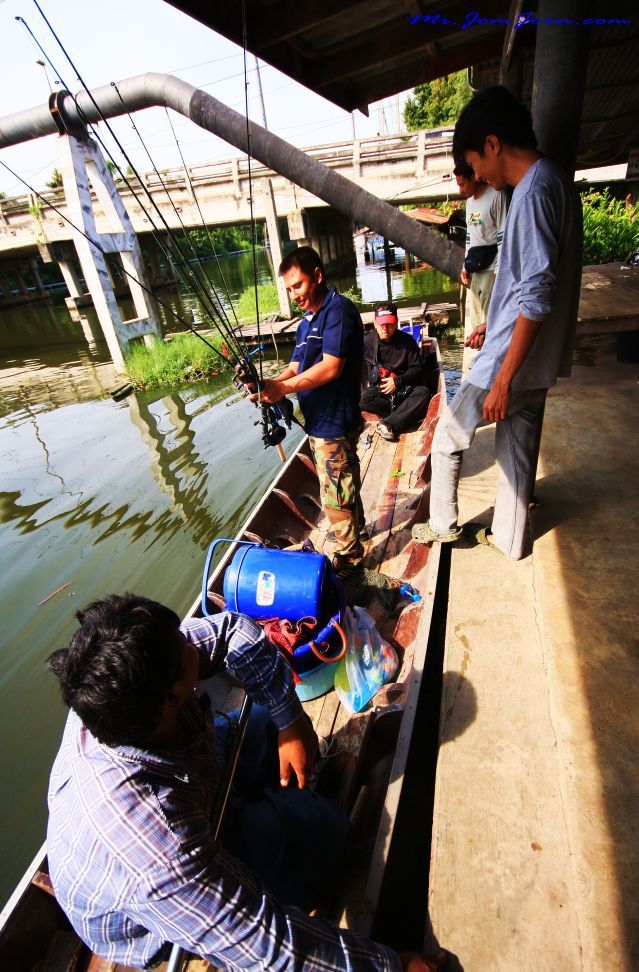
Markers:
368,664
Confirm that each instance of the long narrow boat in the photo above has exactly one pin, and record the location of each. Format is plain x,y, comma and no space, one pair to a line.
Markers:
369,750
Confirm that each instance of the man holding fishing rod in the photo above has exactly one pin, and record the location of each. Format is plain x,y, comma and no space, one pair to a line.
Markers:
132,854
325,374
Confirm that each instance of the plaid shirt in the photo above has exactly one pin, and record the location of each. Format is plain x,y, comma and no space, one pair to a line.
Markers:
131,855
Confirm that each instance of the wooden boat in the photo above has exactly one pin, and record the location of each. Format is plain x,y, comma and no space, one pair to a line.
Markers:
370,749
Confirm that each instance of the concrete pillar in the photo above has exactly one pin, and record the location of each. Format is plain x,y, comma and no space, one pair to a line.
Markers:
273,230
83,168
71,278
561,61
21,282
35,270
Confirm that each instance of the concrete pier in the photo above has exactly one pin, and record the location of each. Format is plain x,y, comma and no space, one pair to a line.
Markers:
535,857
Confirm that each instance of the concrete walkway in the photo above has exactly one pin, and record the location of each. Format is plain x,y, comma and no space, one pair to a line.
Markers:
535,860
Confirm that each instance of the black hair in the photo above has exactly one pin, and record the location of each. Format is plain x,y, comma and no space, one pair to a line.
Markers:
305,258
493,111
463,169
119,667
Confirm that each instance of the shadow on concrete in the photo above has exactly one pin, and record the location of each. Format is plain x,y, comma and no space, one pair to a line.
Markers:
588,495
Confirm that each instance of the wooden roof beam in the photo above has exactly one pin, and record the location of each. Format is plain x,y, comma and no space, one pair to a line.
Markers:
401,40
294,18
389,83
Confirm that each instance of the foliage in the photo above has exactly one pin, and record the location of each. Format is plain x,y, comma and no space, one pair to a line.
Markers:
267,298
353,295
55,182
611,231
184,358
225,239
438,102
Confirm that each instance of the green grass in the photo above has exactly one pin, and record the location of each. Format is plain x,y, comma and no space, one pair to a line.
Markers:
267,299
185,358
611,231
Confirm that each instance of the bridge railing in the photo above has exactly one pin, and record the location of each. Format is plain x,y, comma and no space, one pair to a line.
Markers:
415,146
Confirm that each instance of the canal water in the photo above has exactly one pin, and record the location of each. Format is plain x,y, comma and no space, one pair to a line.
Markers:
98,496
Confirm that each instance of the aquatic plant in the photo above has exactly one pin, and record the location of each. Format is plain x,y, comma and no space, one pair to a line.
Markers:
168,363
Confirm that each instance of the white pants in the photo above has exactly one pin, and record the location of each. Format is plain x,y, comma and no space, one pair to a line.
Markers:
516,441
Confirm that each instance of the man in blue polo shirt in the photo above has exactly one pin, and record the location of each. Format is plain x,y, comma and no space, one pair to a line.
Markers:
325,373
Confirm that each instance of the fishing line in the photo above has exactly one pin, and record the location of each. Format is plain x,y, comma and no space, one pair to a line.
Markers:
250,179
196,282
220,308
163,249
197,203
105,253
246,373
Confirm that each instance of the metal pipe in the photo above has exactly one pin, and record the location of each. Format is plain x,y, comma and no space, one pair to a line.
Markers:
152,90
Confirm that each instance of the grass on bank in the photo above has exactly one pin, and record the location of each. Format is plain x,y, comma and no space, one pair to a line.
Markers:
182,359
267,299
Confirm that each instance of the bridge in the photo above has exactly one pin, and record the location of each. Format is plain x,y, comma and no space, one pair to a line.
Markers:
397,168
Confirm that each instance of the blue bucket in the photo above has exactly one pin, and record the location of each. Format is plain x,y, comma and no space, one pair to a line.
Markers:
415,331
264,582
267,583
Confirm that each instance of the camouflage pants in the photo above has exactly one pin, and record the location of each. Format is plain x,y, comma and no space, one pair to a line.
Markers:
337,465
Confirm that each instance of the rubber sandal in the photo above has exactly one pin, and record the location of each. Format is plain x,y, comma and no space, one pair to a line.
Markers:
423,533
479,533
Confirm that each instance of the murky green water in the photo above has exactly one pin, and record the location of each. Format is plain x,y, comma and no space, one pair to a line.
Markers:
98,496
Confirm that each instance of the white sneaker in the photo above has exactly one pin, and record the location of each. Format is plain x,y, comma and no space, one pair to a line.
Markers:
386,432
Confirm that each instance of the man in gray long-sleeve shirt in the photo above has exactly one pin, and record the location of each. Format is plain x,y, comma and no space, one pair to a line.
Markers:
526,343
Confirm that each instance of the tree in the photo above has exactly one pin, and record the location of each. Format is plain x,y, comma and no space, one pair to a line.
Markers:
438,102
55,182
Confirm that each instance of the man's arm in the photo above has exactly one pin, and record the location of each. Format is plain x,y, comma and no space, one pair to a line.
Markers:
536,244
498,398
209,903
319,374
237,643
289,372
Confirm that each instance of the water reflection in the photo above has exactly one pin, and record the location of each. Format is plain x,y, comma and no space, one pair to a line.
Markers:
103,496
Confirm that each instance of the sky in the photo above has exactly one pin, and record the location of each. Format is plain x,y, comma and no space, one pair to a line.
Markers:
122,38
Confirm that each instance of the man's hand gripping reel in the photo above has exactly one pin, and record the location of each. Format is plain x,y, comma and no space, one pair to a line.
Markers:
273,434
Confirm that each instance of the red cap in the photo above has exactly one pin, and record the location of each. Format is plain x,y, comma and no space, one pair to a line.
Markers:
386,317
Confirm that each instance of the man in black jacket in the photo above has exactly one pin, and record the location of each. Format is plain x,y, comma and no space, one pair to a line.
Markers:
394,376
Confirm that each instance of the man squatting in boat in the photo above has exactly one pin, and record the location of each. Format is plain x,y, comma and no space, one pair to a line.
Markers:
131,852
325,373
394,375
526,342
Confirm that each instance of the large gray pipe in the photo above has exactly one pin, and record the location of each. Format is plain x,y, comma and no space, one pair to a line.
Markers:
152,90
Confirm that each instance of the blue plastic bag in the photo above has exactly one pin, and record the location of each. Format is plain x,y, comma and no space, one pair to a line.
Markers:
368,664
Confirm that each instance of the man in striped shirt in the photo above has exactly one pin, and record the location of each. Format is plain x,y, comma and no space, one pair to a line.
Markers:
131,854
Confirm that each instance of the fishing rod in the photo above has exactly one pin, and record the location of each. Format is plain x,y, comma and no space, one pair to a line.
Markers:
104,252
202,220
197,285
164,250
272,432
250,175
220,310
